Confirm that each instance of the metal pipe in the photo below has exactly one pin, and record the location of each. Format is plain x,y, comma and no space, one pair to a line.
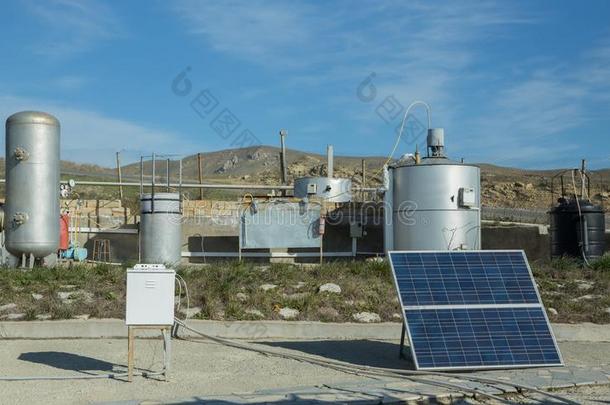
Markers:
330,160
141,175
180,183
200,172
152,184
583,170
120,178
283,167
167,174
363,185
219,186
266,254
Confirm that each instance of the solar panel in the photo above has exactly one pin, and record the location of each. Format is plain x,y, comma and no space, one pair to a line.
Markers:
473,310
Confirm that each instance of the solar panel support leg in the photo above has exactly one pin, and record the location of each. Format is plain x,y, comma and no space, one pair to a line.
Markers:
401,353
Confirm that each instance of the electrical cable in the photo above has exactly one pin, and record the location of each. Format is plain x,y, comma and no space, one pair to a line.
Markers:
79,377
399,136
188,298
346,367
350,368
582,222
402,125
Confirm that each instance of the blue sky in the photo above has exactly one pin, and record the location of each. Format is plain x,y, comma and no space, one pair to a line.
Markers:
518,83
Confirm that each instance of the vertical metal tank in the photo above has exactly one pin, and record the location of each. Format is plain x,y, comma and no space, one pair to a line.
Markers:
160,228
578,229
32,185
435,202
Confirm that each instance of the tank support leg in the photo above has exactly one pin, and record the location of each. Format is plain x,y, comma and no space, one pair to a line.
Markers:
31,263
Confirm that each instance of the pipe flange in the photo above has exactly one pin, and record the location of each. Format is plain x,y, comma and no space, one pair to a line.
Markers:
20,218
21,154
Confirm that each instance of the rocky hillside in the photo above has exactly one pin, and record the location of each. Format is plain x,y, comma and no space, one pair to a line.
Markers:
502,186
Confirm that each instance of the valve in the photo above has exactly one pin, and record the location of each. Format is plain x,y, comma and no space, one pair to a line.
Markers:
20,218
21,154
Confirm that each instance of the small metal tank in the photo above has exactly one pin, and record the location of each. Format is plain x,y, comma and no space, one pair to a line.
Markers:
160,228
32,185
329,189
435,203
575,235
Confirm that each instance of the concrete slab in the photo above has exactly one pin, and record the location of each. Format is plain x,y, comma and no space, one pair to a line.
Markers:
209,373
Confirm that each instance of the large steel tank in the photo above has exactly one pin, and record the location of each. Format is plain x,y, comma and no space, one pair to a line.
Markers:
160,228
32,184
329,189
436,202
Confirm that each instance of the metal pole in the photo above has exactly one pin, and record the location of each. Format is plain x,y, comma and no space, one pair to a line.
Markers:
167,174
141,176
283,167
363,185
583,169
180,184
152,184
200,168
118,169
329,161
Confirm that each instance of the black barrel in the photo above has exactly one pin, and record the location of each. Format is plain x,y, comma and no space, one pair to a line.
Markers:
574,230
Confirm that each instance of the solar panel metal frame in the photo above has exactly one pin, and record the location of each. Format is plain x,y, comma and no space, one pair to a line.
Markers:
539,305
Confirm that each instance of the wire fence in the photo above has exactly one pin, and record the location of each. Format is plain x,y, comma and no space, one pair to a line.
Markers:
520,215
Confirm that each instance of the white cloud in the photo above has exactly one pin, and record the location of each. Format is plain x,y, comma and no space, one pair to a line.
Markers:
70,26
91,137
418,50
262,31
540,116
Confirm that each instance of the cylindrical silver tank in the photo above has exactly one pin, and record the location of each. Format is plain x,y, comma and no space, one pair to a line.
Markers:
436,206
32,184
329,189
160,229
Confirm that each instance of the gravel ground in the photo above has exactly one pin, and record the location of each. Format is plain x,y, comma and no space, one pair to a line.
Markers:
202,369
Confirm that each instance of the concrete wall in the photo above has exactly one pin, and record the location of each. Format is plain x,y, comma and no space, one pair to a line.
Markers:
213,226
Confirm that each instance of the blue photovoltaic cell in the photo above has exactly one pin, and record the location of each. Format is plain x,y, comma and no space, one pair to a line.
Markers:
473,338
458,278
477,309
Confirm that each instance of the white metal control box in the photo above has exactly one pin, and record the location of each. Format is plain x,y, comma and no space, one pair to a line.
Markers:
150,295
468,197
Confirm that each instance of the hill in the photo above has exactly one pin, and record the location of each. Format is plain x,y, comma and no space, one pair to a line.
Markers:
501,186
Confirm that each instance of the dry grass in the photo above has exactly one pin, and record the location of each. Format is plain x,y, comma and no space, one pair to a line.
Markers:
229,290
578,294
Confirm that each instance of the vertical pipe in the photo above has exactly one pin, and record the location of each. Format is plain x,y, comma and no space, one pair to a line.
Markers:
180,184
388,210
200,169
583,169
118,169
330,163
283,167
141,175
152,184
167,174
363,177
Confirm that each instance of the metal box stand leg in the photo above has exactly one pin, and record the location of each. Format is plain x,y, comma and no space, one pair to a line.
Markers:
167,348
